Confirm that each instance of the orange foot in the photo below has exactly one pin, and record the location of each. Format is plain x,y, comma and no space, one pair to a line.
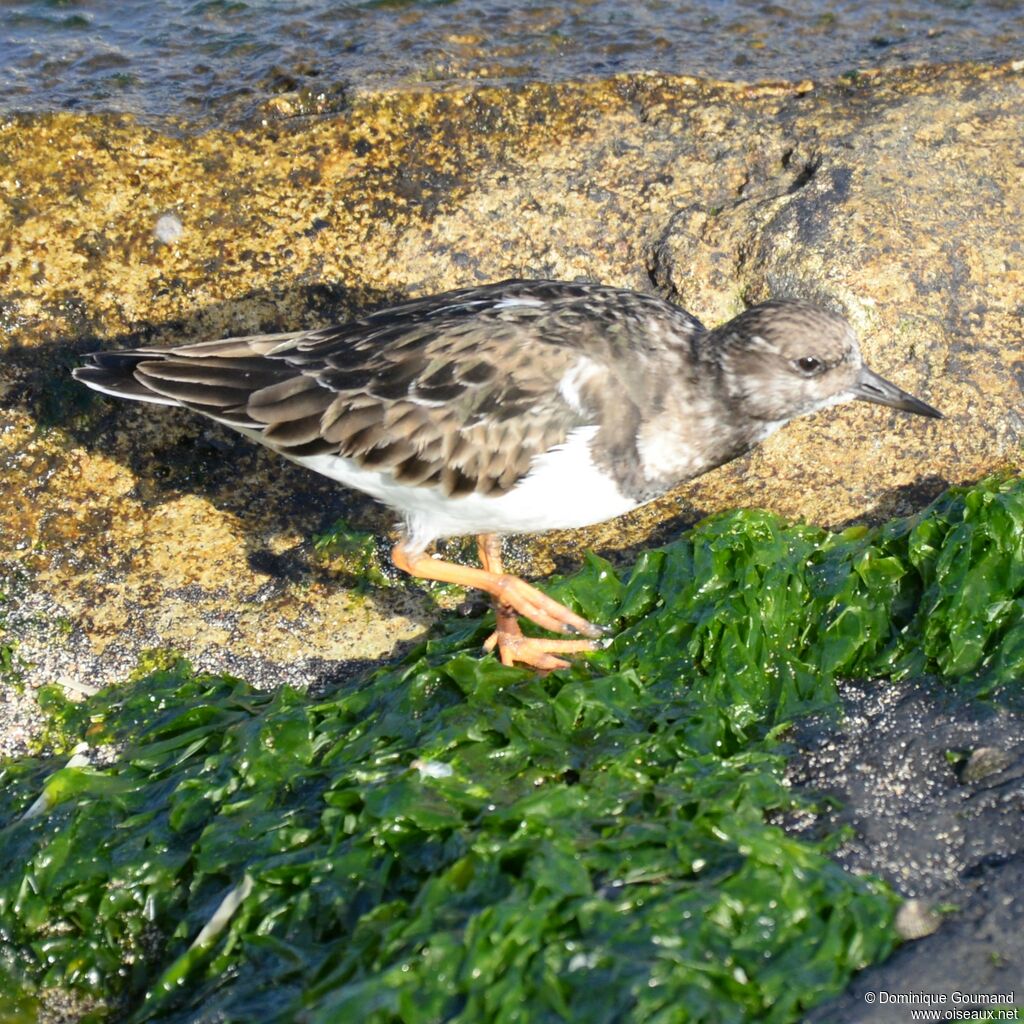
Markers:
515,648
512,596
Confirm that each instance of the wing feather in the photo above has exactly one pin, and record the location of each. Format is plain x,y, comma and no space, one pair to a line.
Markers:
460,391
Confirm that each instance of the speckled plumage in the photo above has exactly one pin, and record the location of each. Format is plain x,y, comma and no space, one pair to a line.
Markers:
454,401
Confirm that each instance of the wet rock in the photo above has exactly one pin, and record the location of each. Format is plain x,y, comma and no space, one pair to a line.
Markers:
894,765
895,197
976,953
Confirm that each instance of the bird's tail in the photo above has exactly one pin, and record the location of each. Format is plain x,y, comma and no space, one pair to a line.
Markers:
113,373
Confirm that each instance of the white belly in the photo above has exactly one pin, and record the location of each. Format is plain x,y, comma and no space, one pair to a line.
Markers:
563,490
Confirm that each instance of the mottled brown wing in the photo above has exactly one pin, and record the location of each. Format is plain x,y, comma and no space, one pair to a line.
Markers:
462,405
460,391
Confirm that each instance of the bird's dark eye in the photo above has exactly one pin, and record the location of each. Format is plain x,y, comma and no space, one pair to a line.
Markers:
809,366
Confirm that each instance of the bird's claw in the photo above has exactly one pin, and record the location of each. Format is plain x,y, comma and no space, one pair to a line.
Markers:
535,652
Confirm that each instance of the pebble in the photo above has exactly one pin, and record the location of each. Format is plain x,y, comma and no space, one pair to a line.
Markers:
169,228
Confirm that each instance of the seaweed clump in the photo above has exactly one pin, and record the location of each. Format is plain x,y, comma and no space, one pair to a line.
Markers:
454,840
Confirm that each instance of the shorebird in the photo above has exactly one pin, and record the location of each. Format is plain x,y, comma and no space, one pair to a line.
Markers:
516,407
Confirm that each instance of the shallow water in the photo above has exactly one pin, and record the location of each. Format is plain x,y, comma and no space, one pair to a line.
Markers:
216,61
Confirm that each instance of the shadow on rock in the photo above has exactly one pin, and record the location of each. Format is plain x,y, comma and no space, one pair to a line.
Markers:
171,451
904,500
259,505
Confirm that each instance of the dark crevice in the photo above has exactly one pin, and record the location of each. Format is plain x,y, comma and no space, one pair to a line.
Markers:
807,172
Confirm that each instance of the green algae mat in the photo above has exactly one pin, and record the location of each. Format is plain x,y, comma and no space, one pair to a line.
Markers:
448,839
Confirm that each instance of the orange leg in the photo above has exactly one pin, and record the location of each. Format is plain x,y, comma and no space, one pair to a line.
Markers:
512,645
512,597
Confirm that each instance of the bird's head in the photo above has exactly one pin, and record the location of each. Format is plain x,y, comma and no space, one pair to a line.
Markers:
781,360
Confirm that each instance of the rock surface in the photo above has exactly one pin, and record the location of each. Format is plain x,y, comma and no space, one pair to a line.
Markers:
932,786
896,197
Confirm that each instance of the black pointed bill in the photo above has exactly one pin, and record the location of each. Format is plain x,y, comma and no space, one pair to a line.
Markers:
872,388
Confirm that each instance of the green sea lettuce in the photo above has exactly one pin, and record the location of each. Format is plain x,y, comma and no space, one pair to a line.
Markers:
448,839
